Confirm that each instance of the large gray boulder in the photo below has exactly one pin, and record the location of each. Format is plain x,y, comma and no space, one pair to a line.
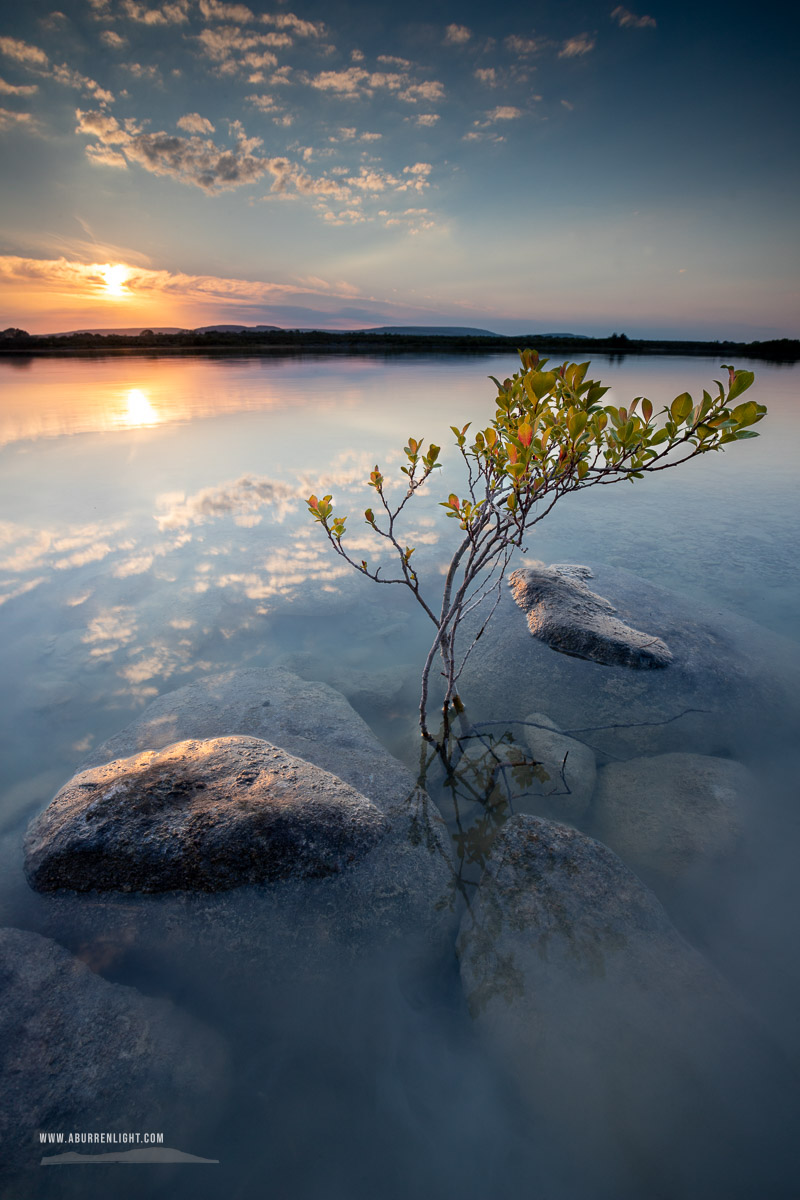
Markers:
79,1053
671,813
563,612
730,683
201,816
612,1026
230,857
305,718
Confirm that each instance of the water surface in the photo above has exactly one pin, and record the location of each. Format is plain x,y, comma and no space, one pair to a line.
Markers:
154,531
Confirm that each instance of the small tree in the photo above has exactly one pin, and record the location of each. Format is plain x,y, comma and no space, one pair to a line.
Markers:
550,436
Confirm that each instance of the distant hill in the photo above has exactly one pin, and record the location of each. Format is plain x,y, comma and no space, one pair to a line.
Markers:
237,329
573,337
427,331
132,332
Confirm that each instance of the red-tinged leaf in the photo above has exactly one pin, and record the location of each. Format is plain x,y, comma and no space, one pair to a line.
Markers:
525,433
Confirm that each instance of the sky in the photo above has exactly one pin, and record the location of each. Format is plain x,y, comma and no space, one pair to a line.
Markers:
554,167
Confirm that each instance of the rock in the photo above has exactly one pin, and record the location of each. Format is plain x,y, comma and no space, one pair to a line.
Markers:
369,691
556,908
79,1053
307,719
667,814
566,799
611,1024
271,870
199,816
565,614
524,778
731,682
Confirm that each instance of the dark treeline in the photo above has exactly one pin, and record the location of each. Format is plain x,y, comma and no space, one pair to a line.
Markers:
289,341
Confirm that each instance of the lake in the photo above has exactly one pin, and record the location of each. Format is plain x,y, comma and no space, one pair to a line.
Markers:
154,532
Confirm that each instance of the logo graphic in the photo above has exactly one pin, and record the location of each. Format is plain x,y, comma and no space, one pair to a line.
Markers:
151,1154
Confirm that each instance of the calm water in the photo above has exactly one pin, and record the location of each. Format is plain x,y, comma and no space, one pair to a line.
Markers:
154,531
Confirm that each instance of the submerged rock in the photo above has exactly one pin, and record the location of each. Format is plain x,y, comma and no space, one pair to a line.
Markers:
307,719
369,691
604,1015
730,680
230,864
79,1053
667,814
571,768
565,614
199,816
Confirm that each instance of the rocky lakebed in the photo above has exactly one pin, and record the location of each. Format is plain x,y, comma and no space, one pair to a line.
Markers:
248,841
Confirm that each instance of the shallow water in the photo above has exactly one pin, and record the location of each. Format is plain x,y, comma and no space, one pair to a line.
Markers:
154,531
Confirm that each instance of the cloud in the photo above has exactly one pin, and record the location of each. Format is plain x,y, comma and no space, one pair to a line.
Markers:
36,60
263,103
140,72
194,123
244,495
430,90
296,24
23,52
12,120
133,566
628,19
113,40
10,89
194,160
487,75
423,119
457,35
356,81
212,10
175,13
525,45
82,83
87,281
577,46
346,82
236,49
392,60
504,112
104,156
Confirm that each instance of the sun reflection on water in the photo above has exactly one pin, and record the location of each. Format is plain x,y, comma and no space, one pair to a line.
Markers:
139,410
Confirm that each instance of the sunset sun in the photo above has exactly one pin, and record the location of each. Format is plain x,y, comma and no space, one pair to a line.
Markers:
114,279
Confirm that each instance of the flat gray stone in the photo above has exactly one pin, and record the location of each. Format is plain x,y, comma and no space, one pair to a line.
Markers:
671,813
79,1053
738,679
201,816
564,613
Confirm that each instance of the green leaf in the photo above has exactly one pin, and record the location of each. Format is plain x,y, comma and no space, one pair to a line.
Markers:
745,433
741,382
745,414
681,407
